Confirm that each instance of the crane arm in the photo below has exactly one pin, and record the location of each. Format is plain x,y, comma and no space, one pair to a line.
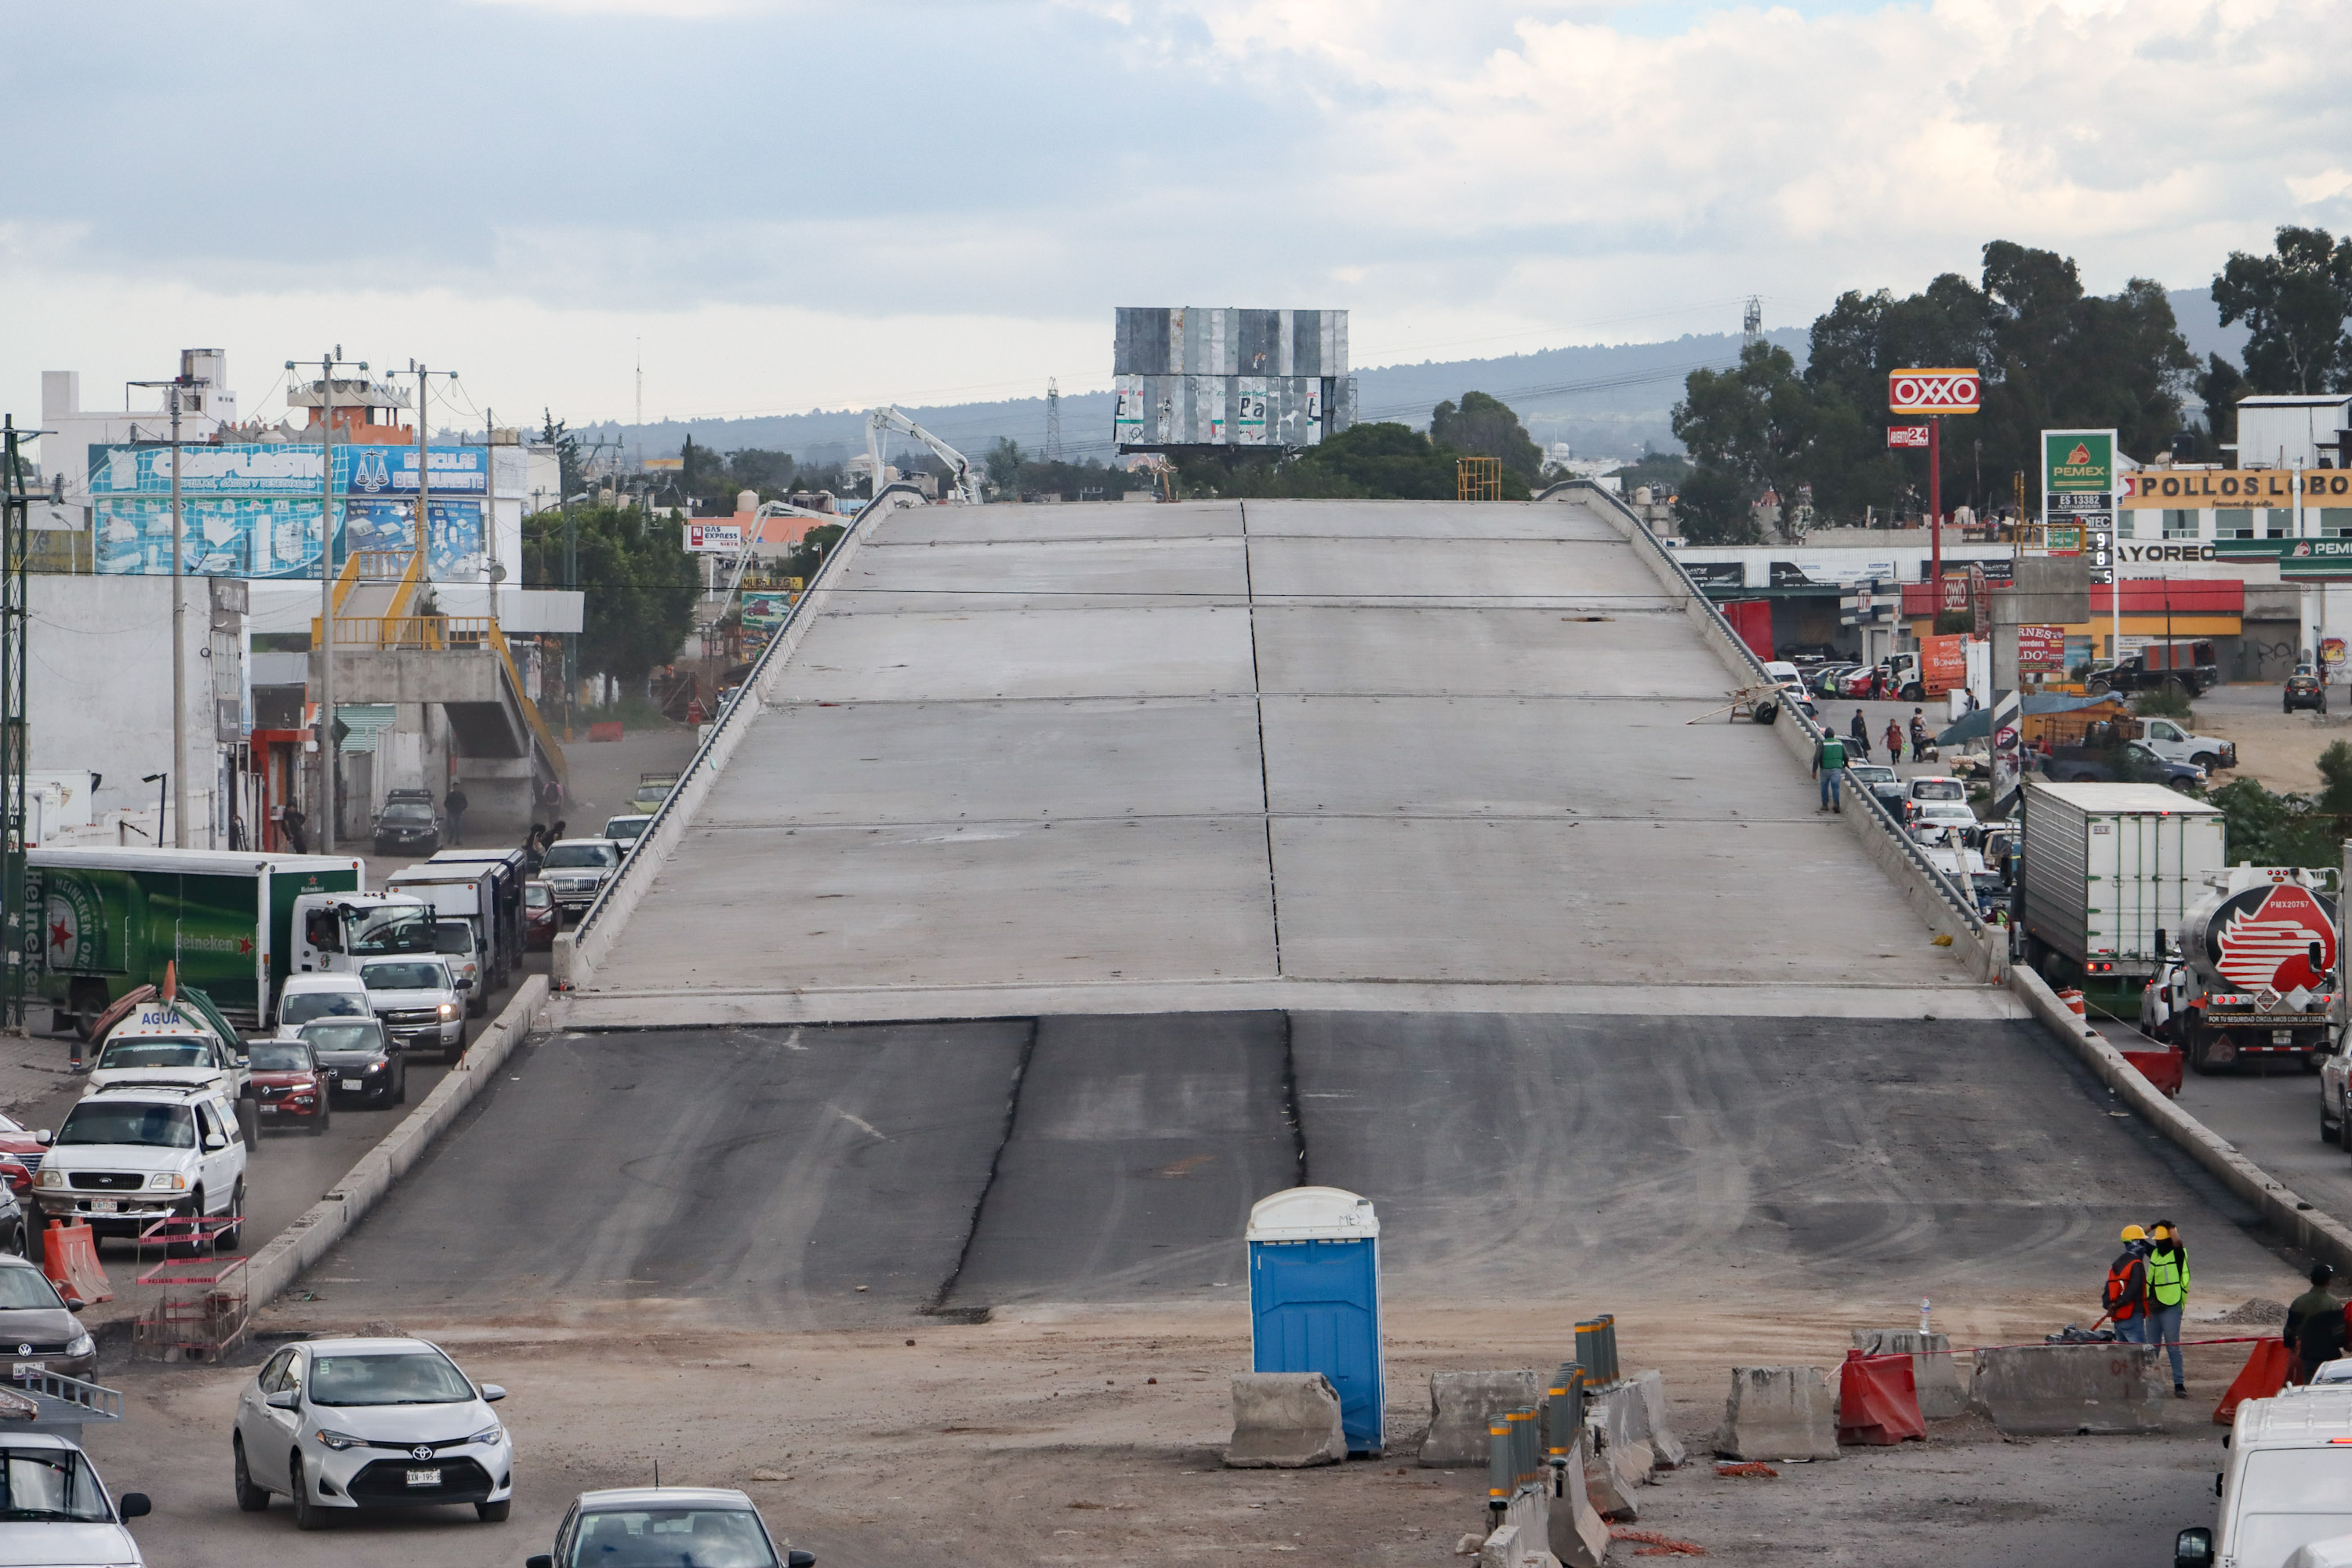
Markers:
964,482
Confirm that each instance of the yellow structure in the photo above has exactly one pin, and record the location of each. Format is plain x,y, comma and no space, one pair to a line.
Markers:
1479,479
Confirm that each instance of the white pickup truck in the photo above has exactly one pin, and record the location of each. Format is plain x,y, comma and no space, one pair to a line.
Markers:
2175,744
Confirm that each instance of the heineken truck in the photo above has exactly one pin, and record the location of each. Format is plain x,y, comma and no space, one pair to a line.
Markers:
233,923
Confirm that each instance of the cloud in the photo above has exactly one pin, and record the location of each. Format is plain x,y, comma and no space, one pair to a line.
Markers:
834,200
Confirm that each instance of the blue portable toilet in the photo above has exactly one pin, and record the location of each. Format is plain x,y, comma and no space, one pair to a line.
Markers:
1315,1299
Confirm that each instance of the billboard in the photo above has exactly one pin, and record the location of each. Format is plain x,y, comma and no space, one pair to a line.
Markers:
708,538
254,511
2198,489
2041,647
2078,493
1954,391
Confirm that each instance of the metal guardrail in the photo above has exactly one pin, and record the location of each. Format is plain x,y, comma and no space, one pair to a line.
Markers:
701,759
91,1402
434,634
1963,902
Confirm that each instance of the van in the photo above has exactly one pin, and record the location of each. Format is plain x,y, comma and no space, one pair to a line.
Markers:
2287,1481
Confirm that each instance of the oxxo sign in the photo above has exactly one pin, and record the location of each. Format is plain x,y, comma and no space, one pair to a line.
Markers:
1933,391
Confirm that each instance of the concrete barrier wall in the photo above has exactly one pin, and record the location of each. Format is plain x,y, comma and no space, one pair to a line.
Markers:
2302,1224
280,1262
2032,1391
1285,1421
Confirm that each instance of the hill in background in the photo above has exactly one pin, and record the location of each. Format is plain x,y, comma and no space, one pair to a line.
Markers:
1603,400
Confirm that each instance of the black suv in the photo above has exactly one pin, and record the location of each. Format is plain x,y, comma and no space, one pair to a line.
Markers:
407,826
2305,689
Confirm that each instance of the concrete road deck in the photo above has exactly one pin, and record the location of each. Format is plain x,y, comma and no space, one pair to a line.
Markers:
1242,755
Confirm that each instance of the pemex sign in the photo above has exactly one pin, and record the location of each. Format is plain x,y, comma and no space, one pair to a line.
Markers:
1934,391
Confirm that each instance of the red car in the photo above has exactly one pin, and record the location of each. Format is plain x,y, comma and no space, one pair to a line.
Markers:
289,1084
21,1149
541,916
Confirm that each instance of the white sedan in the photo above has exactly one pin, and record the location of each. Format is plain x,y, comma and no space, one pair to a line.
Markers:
342,1425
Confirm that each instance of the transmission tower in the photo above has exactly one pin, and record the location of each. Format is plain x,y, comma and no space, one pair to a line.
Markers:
1751,321
1052,421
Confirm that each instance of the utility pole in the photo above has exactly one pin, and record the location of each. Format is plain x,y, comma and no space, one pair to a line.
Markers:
330,764
176,391
16,542
1053,424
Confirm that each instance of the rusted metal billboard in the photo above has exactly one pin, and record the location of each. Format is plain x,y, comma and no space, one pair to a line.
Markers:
1229,377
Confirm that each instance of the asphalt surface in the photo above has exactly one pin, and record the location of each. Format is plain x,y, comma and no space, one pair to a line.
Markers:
1115,1159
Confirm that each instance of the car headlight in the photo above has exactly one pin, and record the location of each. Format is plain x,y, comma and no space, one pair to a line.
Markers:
488,1435
81,1344
167,1182
448,1009
50,1178
336,1440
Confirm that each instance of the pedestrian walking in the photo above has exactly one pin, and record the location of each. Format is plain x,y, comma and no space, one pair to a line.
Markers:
290,822
456,803
1860,730
2168,1289
2314,1326
1918,733
2126,1298
1829,766
1894,742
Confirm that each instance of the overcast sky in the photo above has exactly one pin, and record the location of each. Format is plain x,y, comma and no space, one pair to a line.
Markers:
794,203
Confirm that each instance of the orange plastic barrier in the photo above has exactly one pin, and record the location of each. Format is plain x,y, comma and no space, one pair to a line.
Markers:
1878,1400
69,1258
2161,1066
604,730
2265,1373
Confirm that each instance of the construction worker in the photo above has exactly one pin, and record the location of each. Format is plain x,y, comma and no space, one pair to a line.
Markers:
1829,766
2314,1326
2167,1288
2126,1294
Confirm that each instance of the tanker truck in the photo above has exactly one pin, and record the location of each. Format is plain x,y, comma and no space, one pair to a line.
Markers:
2251,974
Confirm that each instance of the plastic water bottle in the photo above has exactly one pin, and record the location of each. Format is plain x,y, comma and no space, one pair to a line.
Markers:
1923,1315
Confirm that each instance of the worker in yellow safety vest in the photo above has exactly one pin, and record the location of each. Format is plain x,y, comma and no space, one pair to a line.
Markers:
2168,1289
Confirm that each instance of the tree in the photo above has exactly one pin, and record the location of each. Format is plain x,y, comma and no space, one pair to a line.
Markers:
1749,430
2294,302
1485,427
638,581
1004,463
1384,462
2218,389
572,470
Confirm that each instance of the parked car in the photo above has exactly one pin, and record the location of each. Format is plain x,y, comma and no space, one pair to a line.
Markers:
1784,673
2086,765
2191,666
39,1324
407,828
67,1520
348,1424
21,1151
419,1003
288,1086
541,916
128,1156
578,868
2305,689
2175,744
356,1060
305,998
649,1525
1824,681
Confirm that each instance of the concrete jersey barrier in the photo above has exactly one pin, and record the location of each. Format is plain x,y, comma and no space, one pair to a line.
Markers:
1777,1412
1285,1421
1461,1405
2057,1390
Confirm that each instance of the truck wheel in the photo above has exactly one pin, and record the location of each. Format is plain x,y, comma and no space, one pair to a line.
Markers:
90,1005
2329,1132
2206,761
249,1122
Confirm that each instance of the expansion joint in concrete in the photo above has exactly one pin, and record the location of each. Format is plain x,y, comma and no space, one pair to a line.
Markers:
939,1301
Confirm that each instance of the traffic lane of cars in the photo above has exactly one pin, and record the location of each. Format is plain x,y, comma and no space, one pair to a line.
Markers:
2269,1111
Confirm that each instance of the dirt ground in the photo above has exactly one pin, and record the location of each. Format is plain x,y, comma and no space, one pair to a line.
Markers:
2280,749
1091,1436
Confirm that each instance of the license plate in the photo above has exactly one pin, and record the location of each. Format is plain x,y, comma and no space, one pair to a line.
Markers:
268,1111
102,1206
28,1369
354,1083
2282,1036
424,1477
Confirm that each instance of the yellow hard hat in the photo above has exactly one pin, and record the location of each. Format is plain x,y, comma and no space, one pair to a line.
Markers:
2162,1232
2134,1233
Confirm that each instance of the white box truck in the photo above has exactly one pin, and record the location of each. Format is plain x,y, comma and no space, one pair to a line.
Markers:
2109,868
